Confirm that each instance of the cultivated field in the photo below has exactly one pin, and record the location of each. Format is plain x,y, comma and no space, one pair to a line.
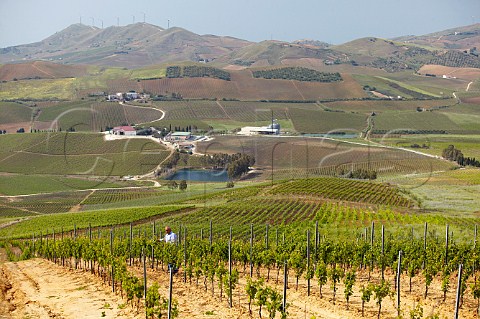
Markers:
78,154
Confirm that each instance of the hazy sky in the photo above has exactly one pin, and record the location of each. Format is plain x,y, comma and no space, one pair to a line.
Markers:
333,21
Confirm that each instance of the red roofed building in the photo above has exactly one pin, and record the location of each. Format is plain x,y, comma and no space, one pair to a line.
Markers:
124,130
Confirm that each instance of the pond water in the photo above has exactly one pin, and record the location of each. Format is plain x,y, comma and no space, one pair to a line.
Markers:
202,175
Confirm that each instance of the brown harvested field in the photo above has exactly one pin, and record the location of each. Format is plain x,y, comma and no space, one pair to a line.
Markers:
37,125
40,70
244,87
470,74
232,67
122,85
386,105
471,100
13,127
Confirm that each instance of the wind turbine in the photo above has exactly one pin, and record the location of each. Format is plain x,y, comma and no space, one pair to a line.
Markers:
93,21
143,16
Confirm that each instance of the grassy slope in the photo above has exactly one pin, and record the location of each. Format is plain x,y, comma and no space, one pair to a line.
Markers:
14,113
77,153
11,185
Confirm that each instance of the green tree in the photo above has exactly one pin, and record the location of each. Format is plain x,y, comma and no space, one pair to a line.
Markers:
183,185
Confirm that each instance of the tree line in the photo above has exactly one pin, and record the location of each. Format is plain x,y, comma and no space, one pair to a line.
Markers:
193,71
299,74
453,154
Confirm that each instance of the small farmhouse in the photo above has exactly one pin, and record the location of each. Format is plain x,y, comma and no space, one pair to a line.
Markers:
178,136
124,130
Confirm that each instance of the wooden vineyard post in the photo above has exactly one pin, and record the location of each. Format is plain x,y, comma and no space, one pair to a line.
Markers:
459,289
266,236
153,231
446,244
33,245
145,273
111,253
54,249
285,285
74,231
170,290
153,255
251,250
230,269
130,243
179,241
372,237
211,234
399,273
383,252
474,247
185,255
425,229
62,233
316,242
308,262
201,234
475,237
90,232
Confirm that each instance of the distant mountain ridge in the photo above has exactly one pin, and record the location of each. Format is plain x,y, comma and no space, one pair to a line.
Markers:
142,44
133,45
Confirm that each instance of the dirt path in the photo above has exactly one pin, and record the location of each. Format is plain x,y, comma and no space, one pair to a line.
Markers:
468,86
40,289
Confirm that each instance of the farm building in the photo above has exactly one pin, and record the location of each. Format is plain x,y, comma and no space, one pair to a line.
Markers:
178,136
124,130
131,96
272,129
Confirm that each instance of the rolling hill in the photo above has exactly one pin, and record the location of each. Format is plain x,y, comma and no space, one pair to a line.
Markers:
40,70
130,46
461,38
142,44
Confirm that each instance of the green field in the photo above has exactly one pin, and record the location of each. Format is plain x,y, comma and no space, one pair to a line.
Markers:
315,121
14,113
78,154
468,144
57,89
67,221
32,184
418,121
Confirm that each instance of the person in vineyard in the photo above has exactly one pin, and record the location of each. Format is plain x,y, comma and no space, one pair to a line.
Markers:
170,237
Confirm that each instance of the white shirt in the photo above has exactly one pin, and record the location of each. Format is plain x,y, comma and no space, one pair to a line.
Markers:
170,238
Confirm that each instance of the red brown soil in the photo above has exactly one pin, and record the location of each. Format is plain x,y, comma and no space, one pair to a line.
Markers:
13,127
470,74
244,87
472,100
41,289
40,70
